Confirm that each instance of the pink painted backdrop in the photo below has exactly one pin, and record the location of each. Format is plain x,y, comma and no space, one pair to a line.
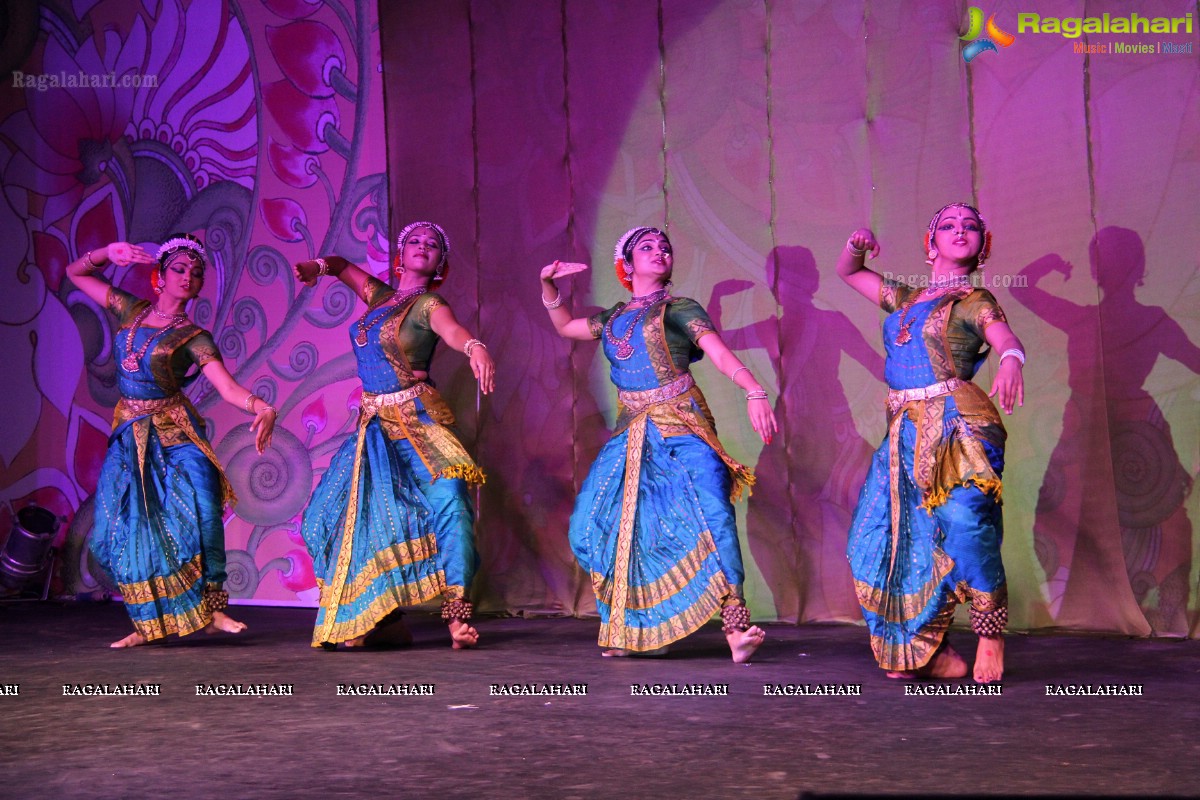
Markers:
762,133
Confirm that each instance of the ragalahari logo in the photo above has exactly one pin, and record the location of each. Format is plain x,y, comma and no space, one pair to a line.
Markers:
977,44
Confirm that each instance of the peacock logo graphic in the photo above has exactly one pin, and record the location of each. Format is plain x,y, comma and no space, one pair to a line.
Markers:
977,44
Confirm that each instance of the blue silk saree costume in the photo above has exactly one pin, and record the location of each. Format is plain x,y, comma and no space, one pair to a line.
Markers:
927,530
391,521
158,523
653,524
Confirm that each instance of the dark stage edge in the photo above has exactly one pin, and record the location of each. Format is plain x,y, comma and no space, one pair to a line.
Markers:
462,742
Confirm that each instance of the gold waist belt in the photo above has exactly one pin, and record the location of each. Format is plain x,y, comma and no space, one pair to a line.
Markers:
371,403
640,401
136,406
898,397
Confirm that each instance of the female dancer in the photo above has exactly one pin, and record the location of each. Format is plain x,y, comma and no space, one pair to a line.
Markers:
390,523
653,524
158,528
926,533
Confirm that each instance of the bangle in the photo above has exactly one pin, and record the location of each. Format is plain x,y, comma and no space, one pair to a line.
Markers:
268,407
756,394
322,267
91,265
553,304
249,404
854,251
733,375
471,345
1015,353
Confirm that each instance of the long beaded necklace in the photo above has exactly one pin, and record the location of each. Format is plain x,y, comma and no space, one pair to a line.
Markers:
133,359
904,335
397,299
624,350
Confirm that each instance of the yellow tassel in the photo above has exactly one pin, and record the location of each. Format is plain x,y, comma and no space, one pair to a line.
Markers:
467,472
743,484
938,495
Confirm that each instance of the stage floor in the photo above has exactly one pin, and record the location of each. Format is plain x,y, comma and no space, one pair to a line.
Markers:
464,741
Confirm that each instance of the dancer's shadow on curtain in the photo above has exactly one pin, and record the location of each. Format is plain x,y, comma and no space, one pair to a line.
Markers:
1112,531
809,479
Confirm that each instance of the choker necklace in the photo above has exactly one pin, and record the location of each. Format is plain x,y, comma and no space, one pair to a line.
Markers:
946,283
651,298
158,312
396,299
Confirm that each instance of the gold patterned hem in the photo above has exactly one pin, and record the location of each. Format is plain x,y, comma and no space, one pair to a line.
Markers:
664,588
917,651
679,626
426,589
883,603
164,587
195,619
383,561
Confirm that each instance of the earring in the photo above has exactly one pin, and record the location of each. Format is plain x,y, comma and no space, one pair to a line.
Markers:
933,253
158,287
399,270
628,268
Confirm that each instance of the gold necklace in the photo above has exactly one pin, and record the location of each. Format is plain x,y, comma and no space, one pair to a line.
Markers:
904,335
396,299
133,359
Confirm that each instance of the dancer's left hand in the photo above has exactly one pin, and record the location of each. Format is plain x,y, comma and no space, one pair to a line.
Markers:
1009,386
762,418
484,369
263,428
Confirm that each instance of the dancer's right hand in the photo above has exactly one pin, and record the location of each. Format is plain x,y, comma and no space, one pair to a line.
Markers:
561,269
123,254
864,239
306,272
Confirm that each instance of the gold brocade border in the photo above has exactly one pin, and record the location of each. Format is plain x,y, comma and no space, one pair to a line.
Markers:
881,602
389,334
620,591
937,344
168,586
683,624
195,619
364,623
916,652
654,329
665,587
389,559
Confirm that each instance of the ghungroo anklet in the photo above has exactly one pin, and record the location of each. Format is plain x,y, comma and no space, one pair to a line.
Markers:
735,617
989,624
457,609
214,599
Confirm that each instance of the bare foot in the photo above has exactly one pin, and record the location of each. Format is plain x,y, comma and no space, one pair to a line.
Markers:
223,623
989,660
357,641
462,635
946,664
617,652
134,639
390,632
743,643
